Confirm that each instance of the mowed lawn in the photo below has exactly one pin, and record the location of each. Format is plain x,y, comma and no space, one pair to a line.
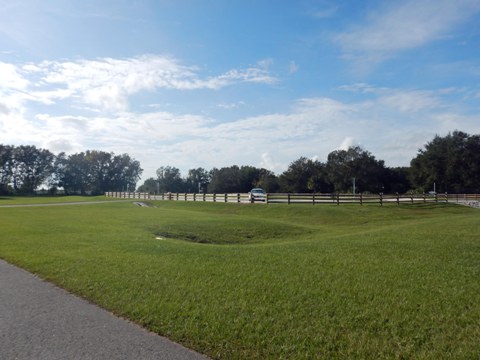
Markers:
269,281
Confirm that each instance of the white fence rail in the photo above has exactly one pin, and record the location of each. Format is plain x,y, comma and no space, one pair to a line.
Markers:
309,198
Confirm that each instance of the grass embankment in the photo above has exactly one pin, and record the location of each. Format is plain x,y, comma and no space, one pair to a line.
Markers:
34,200
294,282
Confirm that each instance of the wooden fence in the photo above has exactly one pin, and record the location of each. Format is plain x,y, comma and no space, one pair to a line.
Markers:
317,198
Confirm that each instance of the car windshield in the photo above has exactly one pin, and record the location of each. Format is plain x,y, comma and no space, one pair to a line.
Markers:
258,191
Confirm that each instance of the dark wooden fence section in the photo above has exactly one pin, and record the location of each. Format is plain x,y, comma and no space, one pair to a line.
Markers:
313,199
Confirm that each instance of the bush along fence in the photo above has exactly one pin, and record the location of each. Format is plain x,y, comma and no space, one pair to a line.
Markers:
308,198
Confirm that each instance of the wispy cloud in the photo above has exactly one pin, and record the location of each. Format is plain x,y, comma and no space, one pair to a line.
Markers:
293,67
313,127
11,79
405,101
326,11
393,123
402,26
107,83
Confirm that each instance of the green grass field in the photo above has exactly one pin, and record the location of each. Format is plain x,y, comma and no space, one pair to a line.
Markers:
32,200
269,282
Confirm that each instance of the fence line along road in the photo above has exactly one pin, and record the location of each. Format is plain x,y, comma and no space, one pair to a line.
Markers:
308,198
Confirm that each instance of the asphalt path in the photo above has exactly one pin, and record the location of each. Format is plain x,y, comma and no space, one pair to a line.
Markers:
43,322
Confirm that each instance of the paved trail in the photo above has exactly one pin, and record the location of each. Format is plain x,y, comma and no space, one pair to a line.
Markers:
43,322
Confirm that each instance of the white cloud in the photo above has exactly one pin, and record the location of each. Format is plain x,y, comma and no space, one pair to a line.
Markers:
390,123
326,12
313,126
230,106
410,101
107,84
4,109
293,67
11,79
347,143
403,26
268,163
61,145
407,101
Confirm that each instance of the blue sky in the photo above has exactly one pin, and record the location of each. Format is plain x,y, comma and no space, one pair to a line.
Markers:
219,83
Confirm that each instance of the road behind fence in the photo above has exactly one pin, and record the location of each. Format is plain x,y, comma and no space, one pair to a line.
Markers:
290,198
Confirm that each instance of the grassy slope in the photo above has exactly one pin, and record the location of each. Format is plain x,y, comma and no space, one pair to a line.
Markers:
28,200
285,281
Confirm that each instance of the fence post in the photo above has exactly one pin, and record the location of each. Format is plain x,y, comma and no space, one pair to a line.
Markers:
238,197
436,197
288,196
226,197
266,198
313,199
446,197
361,199
214,197
381,199
398,198
424,197
338,199
411,194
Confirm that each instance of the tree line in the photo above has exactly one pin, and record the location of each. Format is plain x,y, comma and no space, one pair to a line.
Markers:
24,169
446,164
302,176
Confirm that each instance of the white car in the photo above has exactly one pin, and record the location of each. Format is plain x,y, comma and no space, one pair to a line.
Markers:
257,194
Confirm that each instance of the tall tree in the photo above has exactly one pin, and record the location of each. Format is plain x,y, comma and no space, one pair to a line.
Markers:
31,168
225,180
355,165
99,171
6,167
73,173
397,180
305,175
149,186
170,179
268,181
197,180
123,173
96,172
452,163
